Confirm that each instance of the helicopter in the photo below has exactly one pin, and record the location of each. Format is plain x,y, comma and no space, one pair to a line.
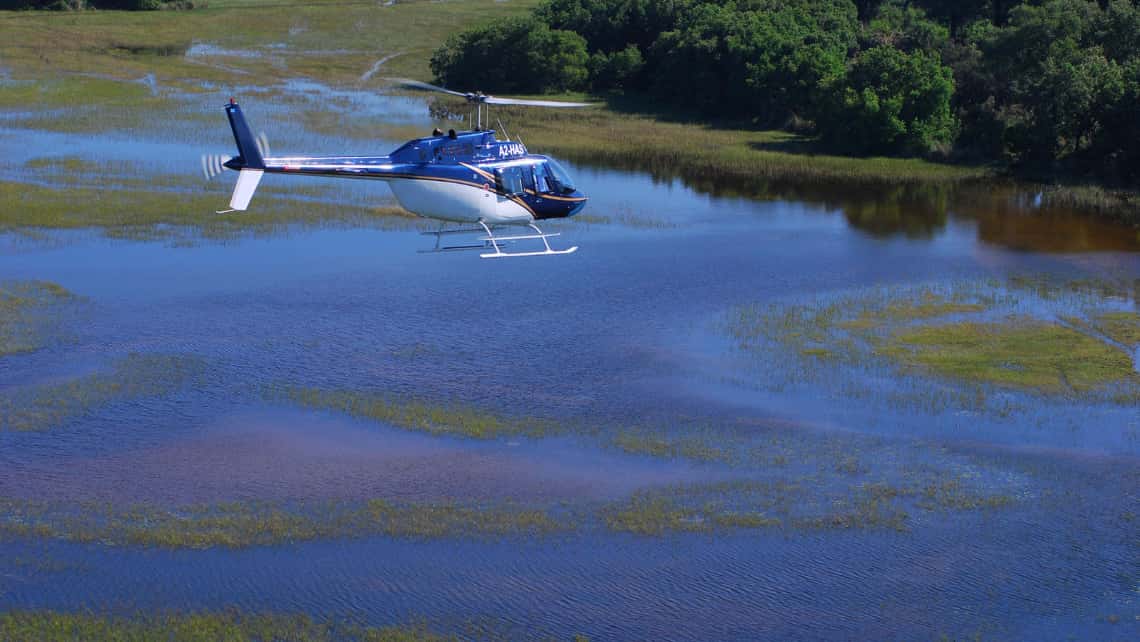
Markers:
469,178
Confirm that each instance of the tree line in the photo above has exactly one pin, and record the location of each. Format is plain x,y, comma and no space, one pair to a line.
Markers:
1041,85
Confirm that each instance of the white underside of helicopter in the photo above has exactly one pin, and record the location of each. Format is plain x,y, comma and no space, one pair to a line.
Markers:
458,202
461,203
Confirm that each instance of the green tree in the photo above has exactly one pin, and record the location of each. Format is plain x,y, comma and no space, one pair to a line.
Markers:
519,55
613,25
906,27
766,62
1059,77
891,102
616,70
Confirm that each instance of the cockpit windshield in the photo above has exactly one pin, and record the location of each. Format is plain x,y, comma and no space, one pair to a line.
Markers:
558,178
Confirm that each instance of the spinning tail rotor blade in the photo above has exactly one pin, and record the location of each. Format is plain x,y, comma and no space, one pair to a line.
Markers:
212,165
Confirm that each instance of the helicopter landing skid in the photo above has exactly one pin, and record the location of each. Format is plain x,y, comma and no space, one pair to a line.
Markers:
492,242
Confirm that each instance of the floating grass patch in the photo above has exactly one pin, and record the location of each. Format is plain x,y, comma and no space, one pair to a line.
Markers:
658,443
844,328
702,442
55,626
1087,290
48,406
415,415
971,335
244,524
1122,327
1019,352
25,313
811,502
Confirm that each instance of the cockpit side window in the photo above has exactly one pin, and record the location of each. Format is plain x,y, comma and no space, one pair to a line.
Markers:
510,180
559,179
541,180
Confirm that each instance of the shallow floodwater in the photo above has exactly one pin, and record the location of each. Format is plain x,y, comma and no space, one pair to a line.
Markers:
626,332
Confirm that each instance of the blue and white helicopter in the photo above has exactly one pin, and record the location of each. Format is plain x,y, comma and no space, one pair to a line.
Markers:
467,177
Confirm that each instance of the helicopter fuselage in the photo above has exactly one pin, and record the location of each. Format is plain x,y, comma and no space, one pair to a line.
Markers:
463,177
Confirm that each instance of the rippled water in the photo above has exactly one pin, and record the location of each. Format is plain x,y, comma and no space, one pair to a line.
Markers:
624,333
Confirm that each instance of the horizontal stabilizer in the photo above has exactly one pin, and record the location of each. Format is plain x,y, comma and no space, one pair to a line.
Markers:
246,185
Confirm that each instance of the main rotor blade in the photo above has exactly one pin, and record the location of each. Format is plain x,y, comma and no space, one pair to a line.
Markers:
416,84
492,100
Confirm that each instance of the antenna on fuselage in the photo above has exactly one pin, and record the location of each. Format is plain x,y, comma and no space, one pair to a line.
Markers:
503,130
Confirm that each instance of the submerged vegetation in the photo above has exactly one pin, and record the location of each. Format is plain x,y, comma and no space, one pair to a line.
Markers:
144,212
139,375
806,504
1021,335
25,313
205,626
830,494
1122,327
414,415
245,524
1018,351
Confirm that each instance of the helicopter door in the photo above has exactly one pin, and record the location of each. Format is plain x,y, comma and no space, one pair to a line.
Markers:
509,180
542,180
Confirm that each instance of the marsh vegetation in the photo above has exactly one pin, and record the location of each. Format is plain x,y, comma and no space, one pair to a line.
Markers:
26,313
56,626
1060,339
267,523
48,406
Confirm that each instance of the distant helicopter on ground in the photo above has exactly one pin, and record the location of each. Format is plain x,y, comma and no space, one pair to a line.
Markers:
465,177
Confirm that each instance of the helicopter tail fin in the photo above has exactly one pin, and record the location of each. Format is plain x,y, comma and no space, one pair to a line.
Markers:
249,163
248,149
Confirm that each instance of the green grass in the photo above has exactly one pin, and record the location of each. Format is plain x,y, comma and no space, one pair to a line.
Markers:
460,421
204,626
702,443
245,524
25,314
839,329
138,212
694,445
805,504
1122,327
129,45
972,334
1018,352
49,406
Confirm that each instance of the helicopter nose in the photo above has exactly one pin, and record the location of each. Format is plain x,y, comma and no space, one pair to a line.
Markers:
579,205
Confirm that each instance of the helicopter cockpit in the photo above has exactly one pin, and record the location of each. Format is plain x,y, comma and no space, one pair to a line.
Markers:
544,176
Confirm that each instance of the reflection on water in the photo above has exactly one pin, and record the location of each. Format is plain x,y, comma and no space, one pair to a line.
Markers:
1007,213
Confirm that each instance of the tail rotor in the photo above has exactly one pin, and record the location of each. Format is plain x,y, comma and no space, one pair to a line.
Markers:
213,164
